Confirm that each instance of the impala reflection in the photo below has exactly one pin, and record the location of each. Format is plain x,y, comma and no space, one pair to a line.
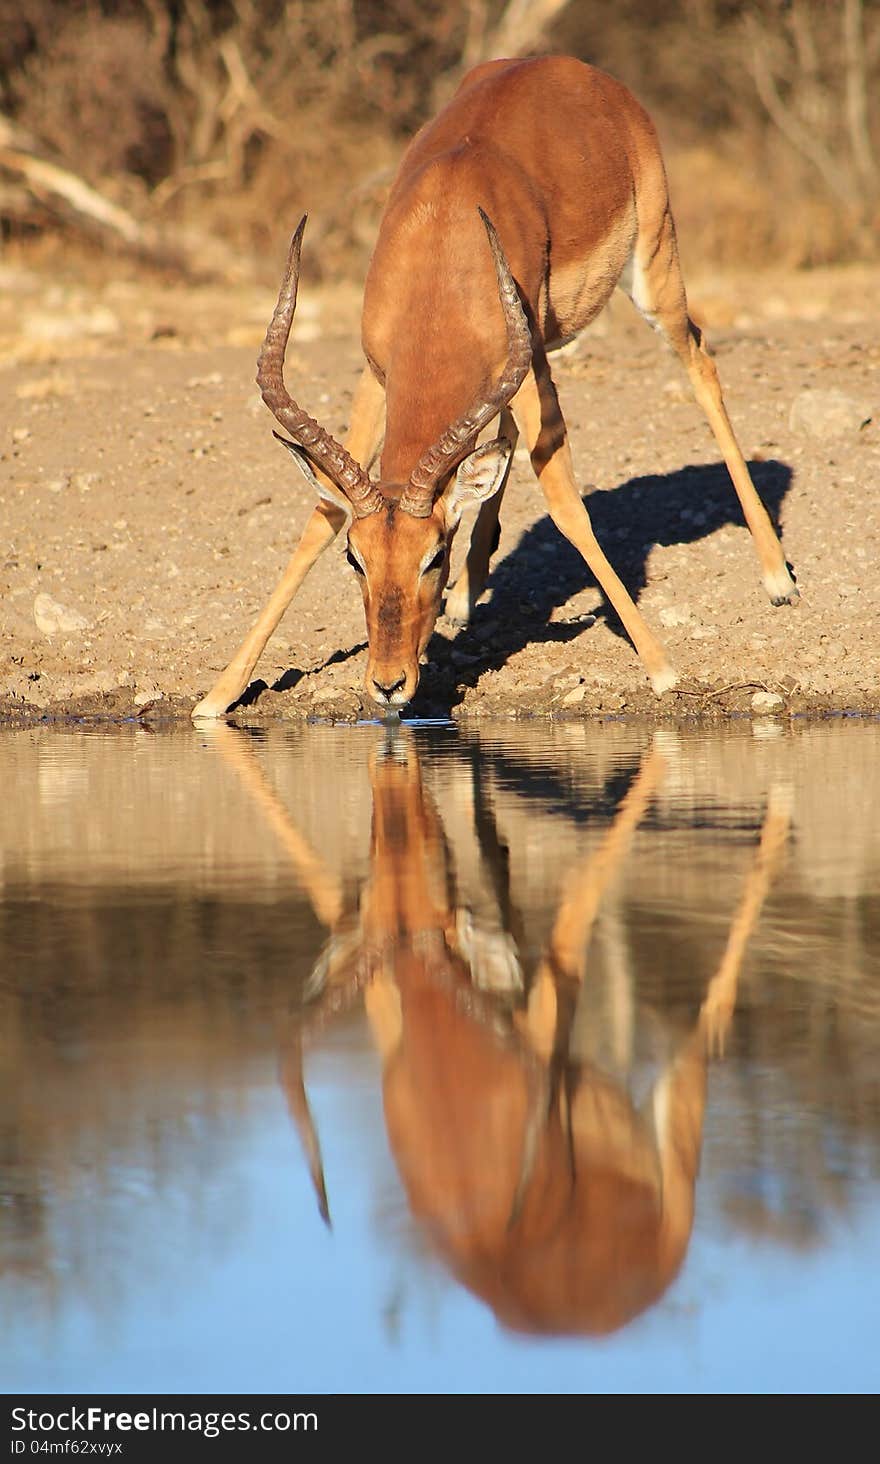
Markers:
549,1186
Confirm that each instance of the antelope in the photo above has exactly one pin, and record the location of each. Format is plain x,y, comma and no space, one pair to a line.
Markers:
546,1191
559,167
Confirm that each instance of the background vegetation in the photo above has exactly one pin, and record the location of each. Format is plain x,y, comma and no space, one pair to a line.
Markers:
188,127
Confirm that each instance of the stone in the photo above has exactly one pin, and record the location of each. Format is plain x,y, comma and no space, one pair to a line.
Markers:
53,618
767,701
826,414
146,691
672,615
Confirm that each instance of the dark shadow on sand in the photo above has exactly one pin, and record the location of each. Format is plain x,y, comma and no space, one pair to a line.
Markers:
544,571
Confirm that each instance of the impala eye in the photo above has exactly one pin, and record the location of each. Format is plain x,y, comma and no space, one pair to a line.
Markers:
355,563
438,561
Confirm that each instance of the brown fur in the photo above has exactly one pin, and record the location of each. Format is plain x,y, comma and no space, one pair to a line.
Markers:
567,166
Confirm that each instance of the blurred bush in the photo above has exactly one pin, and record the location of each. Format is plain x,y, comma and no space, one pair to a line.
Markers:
230,115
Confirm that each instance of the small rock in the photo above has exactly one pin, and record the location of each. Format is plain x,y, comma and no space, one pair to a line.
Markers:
146,692
574,696
766,701
828,414
673,615
51,617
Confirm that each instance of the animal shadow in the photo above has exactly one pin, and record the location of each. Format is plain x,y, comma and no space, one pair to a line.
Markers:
544,571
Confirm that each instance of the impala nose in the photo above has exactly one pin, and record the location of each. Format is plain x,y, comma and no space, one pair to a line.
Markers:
383,691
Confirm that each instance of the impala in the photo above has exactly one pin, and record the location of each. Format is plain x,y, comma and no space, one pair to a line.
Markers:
513,216
547,1191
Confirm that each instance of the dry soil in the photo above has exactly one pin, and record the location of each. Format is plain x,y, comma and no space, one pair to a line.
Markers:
145,510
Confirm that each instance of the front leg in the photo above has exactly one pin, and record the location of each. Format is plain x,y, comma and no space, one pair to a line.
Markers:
231,684
364,437
485,535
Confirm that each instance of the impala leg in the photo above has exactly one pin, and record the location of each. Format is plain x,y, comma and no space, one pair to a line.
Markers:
364,437
321,529
718,1005
585,887
536,409
485,534
657,290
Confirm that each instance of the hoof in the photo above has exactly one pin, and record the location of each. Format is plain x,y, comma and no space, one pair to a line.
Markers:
791,598
664,680
458,606
781,588
457,611
208,711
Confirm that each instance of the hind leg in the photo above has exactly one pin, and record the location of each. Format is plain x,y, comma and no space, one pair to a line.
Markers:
536,409
655,286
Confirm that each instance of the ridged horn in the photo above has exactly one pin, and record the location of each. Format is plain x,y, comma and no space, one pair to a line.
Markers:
325,452
418,496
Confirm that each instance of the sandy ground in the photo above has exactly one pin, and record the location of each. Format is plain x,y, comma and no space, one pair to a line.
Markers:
145,510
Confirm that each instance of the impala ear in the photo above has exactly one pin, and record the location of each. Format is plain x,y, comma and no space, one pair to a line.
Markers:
477,478
324,490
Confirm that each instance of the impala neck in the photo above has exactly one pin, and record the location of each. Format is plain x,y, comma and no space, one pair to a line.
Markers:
428,385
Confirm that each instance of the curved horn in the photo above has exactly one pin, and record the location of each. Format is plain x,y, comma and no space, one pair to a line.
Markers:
325,452
290,1070
418,497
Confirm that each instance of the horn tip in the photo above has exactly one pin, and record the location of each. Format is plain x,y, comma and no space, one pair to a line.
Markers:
489,226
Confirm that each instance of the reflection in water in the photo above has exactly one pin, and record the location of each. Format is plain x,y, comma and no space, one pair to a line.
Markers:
515,960
550,1193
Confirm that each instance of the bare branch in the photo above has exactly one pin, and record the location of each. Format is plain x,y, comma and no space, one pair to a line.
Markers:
800,137
522,27
48,181
67,194
857,94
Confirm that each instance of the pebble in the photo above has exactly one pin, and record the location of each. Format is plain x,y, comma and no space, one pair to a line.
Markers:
767,701
829,414
52,617
146,691
673,615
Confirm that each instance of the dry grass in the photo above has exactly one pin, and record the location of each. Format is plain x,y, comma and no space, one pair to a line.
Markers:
225,115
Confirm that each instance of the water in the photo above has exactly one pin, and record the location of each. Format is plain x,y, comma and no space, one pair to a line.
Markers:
572,1031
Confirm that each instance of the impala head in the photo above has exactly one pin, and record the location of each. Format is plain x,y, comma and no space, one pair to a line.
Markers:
399,534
